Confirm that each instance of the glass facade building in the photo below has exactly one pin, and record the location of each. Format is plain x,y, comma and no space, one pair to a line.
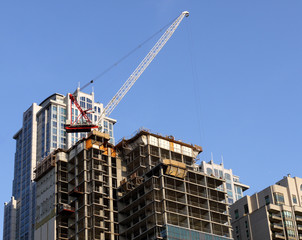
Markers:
42,132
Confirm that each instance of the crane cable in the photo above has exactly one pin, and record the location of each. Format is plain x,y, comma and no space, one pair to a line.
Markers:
196,87
127,55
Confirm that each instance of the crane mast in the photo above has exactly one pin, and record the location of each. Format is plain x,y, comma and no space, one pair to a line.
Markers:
141,67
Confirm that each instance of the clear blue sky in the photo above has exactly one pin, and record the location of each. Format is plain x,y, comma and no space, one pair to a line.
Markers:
229,79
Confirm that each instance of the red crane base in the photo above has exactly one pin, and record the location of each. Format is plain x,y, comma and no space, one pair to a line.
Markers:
80,128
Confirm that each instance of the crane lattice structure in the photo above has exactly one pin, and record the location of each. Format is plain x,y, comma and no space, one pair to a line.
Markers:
73,127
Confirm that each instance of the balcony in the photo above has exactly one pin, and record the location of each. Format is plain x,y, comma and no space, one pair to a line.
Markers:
299,219
277,227
278,236
275,217
298,210
273,208
299,227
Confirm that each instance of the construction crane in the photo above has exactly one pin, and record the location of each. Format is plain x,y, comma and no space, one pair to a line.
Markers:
82,123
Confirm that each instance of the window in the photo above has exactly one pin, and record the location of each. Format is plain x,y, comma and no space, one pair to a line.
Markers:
227,176
238,190
230,193
209,171
294,199
236,212
246,224
246,208
291,233
289,224
279,198
286,214
267,201
228,186
63,111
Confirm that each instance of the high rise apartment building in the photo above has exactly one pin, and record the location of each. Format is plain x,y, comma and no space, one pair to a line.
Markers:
42,132
165,196
233,186
273,213
77,191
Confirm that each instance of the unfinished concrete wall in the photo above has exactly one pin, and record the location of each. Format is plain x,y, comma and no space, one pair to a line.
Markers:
163,188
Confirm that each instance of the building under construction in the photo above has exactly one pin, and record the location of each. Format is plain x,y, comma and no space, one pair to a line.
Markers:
77,191
147,187
164,196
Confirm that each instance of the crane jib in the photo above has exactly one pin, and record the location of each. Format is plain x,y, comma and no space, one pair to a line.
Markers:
82,123
141,67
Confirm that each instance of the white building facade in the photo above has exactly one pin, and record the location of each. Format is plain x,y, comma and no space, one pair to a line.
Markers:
233,186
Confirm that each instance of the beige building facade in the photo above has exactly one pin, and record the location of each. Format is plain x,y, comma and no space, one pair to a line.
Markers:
273,213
